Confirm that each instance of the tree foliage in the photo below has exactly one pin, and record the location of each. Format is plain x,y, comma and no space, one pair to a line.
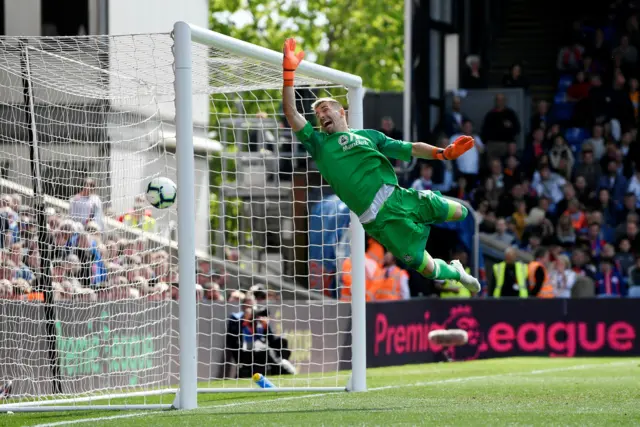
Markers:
363,37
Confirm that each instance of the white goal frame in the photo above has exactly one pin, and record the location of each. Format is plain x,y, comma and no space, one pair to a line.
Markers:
184,36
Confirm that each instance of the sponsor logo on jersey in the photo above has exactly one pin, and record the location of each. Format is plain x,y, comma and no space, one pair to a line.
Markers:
347,143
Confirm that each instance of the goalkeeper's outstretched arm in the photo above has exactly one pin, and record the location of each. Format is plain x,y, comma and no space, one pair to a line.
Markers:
425,151
290,62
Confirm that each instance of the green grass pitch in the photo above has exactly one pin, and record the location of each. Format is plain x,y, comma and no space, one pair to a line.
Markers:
519,391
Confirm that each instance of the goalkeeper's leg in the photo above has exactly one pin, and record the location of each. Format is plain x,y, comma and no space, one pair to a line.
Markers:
438,269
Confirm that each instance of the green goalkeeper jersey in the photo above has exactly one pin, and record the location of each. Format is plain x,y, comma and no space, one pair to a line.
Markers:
355,163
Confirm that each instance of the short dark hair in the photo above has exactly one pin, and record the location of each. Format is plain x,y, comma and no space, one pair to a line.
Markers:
540,252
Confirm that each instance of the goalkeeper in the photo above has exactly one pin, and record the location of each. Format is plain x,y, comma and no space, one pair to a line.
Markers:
355,164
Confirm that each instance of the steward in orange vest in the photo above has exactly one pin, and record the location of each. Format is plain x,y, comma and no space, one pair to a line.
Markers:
539,284
394,285
372,271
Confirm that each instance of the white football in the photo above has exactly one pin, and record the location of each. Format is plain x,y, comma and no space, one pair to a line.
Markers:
161,192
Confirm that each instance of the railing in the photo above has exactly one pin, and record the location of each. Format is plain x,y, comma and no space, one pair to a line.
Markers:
243,278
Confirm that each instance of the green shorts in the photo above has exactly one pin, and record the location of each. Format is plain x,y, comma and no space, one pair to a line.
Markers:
402,224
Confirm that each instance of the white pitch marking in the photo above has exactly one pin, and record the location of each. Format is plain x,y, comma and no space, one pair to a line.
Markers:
389,387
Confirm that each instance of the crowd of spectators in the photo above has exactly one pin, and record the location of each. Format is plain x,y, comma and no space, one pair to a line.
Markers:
574,187
89,260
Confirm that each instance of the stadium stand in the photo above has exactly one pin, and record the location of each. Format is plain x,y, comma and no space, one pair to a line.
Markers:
575,186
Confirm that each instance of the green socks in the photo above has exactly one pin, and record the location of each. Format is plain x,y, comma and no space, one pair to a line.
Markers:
443,271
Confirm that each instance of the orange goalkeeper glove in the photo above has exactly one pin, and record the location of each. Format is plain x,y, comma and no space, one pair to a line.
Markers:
290,60
460,146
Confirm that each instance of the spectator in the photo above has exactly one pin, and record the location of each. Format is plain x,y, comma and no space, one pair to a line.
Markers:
473,76
608,280
565,232
596,141
515,79
425,181
614,181
579,89
496,173
86,205
501,126
17,258
562,277
599,100
561,157
621,105
548,184
634,279
469,163
489,193
627,51
540,119
624,150
576,215
599,50
588,66
502,234
508,200
534,150
629,206
454,119
607,206
388,127
595,240
252,345
519,218
589,169
570,57
624,258
632,30
634,186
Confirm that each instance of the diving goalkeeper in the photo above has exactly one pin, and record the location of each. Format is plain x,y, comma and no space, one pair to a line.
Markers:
355,164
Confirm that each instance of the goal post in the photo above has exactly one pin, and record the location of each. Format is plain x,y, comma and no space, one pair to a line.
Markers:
109,304
184,36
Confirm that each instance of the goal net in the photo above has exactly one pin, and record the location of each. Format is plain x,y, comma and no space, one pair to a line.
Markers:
91,276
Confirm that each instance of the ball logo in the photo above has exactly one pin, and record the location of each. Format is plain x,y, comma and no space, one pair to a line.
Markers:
462,317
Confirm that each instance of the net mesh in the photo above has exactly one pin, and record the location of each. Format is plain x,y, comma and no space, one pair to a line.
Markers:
99,112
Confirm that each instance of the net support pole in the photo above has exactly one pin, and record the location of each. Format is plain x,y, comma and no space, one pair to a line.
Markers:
43,272
188,394
358,297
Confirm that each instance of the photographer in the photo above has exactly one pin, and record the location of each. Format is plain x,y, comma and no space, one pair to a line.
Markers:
251,344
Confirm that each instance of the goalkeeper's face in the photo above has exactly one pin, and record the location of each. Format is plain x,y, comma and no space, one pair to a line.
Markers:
332,117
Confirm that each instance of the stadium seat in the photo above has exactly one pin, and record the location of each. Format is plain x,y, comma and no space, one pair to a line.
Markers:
575,137
564,82
562,111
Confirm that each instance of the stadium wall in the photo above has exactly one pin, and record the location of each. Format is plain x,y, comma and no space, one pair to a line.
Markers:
103,346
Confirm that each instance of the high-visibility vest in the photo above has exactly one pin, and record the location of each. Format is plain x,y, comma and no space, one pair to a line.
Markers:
375,251
389,287
454,284
521,278
372,273
146,223
547,289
